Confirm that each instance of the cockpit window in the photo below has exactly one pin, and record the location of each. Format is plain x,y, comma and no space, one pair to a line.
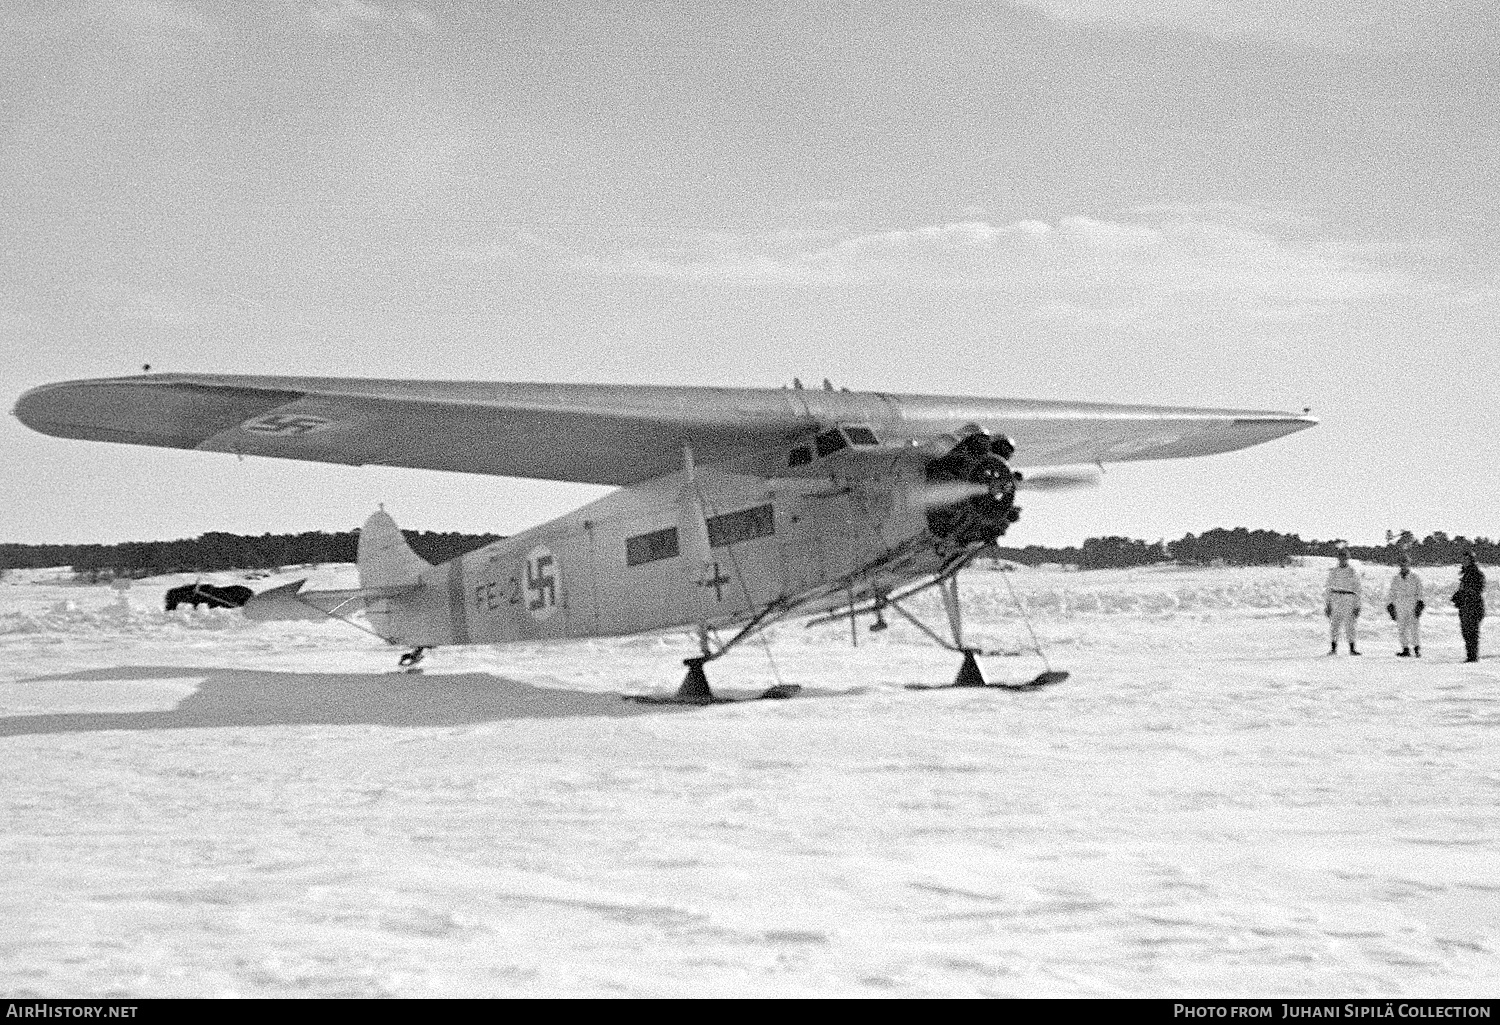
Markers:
860,436
830,442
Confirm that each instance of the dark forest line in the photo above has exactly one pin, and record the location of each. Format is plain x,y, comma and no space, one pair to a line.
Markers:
219,551
1244,547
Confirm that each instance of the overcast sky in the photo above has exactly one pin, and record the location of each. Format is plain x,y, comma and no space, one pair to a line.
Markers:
1265,203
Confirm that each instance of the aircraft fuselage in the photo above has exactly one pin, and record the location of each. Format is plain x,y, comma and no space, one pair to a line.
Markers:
850,524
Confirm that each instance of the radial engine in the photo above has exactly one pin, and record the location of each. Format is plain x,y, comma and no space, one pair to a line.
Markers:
972,490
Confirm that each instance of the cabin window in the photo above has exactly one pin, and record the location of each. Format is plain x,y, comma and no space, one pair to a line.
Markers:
801,456
860,436
830,442
745,525
652,547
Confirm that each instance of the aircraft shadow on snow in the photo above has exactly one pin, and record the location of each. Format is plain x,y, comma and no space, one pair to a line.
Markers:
244,697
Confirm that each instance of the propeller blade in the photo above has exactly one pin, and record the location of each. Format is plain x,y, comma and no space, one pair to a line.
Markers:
937,495
1061,480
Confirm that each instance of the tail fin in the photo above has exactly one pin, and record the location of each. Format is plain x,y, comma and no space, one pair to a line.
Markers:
385,559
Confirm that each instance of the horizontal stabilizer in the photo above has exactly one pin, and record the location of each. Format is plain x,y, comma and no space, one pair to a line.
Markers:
290,602
280,603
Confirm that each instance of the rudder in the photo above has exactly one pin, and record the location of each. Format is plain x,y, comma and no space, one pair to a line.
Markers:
384,557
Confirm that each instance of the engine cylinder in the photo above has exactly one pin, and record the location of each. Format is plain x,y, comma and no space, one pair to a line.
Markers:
984,516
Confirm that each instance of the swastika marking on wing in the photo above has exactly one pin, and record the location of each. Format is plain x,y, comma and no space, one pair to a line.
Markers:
294,424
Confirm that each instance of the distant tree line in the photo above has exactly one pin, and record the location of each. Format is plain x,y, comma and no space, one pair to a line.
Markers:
1243,547
219,551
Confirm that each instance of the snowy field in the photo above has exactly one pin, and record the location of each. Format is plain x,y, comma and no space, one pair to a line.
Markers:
199,805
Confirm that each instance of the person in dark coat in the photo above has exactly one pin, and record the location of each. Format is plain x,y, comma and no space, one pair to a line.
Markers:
1470,601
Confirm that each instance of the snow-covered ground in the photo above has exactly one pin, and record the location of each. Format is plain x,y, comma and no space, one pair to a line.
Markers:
194,804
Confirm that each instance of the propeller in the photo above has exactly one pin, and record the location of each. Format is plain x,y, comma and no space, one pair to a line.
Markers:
935,496
1066,479
947,493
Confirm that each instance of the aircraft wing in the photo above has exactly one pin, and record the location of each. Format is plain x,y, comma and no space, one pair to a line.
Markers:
598,434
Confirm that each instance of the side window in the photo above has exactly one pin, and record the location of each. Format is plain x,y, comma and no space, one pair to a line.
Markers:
860,436
652,547
830,442
745,525
801,456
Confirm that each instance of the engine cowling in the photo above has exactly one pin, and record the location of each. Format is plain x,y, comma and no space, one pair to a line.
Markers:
988,506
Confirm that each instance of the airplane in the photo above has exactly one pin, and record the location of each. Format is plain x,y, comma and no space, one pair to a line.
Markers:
734,509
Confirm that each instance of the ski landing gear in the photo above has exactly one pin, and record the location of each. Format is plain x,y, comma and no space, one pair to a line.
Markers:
969,674
695,689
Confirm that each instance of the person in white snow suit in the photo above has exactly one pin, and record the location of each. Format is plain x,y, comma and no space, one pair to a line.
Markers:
1341,599
1403,600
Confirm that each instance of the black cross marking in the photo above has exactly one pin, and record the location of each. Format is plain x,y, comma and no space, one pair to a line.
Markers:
717,582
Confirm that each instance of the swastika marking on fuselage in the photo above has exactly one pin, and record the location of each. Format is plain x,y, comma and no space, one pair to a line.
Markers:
541,573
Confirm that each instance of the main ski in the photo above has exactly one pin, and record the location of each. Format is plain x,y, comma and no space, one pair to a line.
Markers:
1046,679
776,693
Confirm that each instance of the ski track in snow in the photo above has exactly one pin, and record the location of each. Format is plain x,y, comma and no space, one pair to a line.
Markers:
200,805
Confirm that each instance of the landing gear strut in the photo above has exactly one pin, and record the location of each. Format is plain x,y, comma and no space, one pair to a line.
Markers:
946,582
409,662
969,673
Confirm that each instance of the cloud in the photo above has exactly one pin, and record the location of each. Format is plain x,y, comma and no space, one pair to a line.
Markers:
148,19
113,302
1079,268
1295,22
352,17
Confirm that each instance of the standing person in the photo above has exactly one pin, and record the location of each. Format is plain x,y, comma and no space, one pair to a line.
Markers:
1403,600
1341,599
1470,601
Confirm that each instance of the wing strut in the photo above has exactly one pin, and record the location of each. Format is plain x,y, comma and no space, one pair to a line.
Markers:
692,529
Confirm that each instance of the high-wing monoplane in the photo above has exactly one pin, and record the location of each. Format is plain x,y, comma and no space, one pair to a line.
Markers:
735,509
